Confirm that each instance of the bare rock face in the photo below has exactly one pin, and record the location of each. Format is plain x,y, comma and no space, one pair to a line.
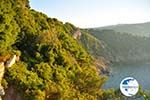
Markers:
2,68
102,66
77,34
10,90
11,61
12,94
2,92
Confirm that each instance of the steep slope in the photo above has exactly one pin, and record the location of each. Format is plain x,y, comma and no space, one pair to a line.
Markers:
123,47
141,29
112,46
52,64
93,45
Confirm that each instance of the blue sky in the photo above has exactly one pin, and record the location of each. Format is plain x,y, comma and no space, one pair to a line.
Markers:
95,13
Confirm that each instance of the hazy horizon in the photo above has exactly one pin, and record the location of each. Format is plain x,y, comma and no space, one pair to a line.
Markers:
95,13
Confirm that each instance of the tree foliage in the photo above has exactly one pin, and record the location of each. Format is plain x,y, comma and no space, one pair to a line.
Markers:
53,65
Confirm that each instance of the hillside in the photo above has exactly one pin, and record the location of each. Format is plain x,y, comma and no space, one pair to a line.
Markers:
51,65
141,29
91,44
42,58
123,47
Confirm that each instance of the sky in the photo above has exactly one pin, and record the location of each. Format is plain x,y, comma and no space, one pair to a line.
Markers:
95,13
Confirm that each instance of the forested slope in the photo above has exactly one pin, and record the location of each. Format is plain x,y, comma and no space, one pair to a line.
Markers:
52,64
123,47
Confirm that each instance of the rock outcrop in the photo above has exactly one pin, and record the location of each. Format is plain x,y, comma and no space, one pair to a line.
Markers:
2,69
102,66
11,61
12,94
77,34
8,64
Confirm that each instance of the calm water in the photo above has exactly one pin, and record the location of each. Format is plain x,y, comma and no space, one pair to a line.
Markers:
139,71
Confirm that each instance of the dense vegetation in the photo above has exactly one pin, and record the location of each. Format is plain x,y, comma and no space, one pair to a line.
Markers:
53,65
122,47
